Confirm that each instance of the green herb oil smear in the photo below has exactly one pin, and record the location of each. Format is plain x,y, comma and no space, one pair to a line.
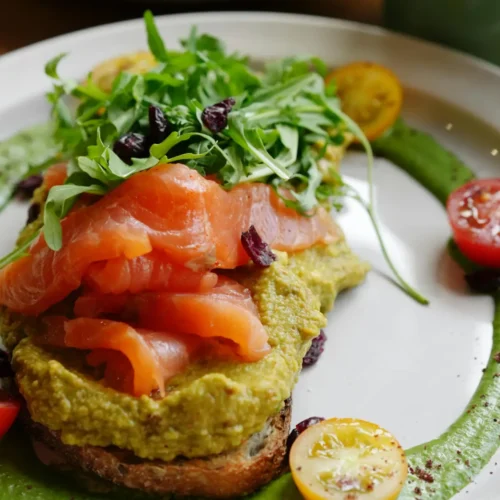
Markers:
444,466
27,153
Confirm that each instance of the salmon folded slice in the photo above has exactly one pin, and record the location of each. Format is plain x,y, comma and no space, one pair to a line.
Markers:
151,272
226,311
136,361
55,175
170,208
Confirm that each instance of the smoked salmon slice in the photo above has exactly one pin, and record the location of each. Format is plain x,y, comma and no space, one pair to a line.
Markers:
136,361
170,208
151,272
226,311
55,175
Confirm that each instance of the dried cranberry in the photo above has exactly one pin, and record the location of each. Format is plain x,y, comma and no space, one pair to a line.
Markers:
294,434
305,424
5,367
26,187
130,146
159,128
215,117
33,212
300,428
257,250
315,351
484,280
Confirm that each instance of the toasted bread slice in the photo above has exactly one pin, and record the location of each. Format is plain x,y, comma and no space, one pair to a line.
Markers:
228,475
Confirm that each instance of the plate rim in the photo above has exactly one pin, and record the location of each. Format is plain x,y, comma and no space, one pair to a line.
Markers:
472,63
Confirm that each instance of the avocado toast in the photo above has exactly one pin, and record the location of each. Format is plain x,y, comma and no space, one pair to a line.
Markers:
74,412
160,305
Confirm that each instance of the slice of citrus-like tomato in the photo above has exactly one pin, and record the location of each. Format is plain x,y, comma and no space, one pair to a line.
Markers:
474,215
370,94
343,456
137,63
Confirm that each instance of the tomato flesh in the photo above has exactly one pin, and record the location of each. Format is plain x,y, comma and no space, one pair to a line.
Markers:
474,215
371,95
9,409
346,458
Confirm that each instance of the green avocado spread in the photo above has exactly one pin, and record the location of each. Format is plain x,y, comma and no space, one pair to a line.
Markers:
64,397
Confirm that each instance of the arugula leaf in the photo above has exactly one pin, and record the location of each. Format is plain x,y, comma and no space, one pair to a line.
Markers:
91,90
63,113
160,150
122,120
19,252
184,156
92,168
191,43
289,137
290,88
51,66
202,43
307,198
155,41
250,140
58,204
320,66
117,166
120,83
52,229
61,195
164,78
138,89
233,171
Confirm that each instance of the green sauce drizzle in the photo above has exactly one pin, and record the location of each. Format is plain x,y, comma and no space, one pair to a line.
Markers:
437,169
26,153
466,447
444,466
453,459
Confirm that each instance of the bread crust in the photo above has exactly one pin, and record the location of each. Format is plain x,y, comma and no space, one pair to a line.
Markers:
228,475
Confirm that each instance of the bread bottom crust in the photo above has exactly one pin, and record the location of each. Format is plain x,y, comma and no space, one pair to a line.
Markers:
228,475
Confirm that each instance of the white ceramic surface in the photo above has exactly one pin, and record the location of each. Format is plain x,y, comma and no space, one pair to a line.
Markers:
407,367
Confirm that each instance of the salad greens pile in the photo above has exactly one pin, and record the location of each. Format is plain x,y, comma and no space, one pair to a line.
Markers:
279,127
279,124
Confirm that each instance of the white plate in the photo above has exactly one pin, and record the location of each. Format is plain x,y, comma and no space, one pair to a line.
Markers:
409,368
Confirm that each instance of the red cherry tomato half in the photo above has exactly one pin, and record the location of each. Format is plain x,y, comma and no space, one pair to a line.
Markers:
9,409
474,214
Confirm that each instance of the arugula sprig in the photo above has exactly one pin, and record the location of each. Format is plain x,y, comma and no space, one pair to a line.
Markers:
282,123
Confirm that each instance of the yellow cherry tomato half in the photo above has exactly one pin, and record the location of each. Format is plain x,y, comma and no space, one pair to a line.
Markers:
345,458
136,63
370,94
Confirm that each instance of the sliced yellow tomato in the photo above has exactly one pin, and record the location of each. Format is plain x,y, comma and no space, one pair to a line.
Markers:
370,94
344,458
137,63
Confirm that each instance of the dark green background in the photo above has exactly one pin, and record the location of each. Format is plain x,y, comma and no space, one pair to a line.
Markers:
468,25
